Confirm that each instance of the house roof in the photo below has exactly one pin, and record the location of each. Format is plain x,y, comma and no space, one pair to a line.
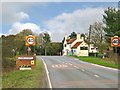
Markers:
69,41
76,45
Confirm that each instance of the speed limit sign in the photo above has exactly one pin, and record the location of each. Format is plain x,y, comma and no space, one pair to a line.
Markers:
30,40
115,41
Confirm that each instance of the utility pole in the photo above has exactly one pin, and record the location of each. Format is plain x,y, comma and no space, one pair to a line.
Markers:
89,37
90,28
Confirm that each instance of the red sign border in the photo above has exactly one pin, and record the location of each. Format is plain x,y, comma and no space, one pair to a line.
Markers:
118,41
27,40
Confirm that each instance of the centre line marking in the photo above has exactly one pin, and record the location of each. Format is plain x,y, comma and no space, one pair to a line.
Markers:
83,69
53,66
76,67
96,75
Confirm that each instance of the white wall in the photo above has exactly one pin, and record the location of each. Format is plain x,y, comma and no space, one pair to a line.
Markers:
94,50
74,51
82,52
67,48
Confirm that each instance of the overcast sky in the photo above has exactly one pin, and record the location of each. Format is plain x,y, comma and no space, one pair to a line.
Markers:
56,18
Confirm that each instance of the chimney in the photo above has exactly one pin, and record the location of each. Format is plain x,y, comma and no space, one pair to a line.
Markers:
78,36
66,37
82,38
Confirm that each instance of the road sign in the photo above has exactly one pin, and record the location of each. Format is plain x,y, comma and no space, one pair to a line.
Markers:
30,40
25,62
115,41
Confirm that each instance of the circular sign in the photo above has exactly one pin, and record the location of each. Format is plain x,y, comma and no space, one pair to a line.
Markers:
115,41
30,40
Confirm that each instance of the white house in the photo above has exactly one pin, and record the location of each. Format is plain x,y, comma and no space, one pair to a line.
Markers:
77,46
80,49
67,45
93,49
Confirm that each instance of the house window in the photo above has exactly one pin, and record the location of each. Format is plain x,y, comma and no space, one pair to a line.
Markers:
83,48
92,48
65,45
74,50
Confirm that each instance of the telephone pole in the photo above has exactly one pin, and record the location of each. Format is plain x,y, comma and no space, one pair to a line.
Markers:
89,37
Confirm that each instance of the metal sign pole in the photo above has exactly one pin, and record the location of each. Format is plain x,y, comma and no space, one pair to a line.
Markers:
116,59
115,42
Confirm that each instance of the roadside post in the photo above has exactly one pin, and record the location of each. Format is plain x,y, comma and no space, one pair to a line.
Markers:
115,42
30,41
27,62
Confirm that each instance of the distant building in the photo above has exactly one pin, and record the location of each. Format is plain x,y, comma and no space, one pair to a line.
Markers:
77,46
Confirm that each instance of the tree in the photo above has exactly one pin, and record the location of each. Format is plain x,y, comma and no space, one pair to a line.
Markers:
54,48
11,44
46,38
72,35
97,33
111,21
45,41
83,35
20,40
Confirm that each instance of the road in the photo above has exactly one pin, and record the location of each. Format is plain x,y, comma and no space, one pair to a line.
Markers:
66,72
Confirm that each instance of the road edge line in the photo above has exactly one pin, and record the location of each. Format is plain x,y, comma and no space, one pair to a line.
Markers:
103,66
100,65
50,84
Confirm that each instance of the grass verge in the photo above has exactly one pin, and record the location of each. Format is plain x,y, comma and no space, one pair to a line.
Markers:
96,60
24,79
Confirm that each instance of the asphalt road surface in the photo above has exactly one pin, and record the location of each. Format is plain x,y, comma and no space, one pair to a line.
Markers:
66,72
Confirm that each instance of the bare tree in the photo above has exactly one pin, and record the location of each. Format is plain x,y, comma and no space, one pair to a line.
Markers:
97,33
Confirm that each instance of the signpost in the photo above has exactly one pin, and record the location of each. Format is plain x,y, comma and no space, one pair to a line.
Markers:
27,62
30,41
115,42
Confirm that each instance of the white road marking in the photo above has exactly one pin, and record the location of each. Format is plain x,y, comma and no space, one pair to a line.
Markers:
96,75
60,65
76,67
104,67
70,63
65,66
83,69
49,81
53,66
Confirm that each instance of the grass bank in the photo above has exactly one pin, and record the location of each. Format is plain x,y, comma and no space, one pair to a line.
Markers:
24,79
104,62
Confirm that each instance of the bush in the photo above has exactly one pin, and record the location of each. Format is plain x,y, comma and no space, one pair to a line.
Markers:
8,64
